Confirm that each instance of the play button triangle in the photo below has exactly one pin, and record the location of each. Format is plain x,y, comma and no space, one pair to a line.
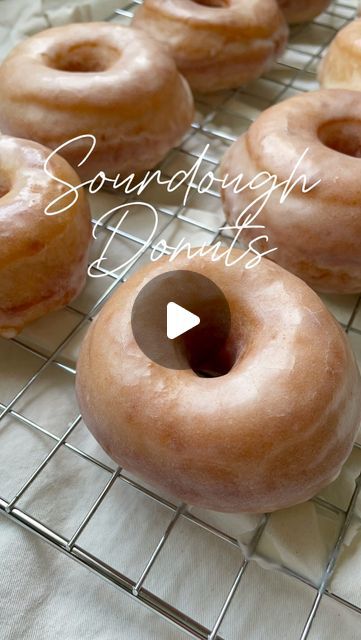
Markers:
179,320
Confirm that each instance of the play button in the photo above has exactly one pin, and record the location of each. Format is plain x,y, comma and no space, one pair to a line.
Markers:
181,320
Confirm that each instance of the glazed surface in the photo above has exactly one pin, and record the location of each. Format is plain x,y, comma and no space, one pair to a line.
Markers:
341,66
43,259
101,79
269,434
317,234
216,45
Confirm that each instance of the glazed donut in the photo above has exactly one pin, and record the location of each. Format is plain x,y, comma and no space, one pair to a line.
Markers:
217,44
297,11
101,79
269,434
341,66
317,234
43,258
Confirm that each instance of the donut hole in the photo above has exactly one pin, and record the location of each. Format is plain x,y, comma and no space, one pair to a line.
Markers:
209,349
218,363
214,4
90,57
5,186
343,136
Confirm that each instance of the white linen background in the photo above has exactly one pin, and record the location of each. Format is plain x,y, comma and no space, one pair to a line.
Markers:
44,595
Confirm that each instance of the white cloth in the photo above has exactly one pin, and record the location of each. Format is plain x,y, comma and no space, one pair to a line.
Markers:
44,595
20,18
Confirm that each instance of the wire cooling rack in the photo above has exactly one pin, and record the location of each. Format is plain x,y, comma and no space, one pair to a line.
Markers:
219,120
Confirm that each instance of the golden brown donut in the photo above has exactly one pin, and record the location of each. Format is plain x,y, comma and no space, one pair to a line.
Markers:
297,11
101,79
317,234
217,44
269,434
341,66
43,258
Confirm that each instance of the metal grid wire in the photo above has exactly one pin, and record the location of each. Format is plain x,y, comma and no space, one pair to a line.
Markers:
220,119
